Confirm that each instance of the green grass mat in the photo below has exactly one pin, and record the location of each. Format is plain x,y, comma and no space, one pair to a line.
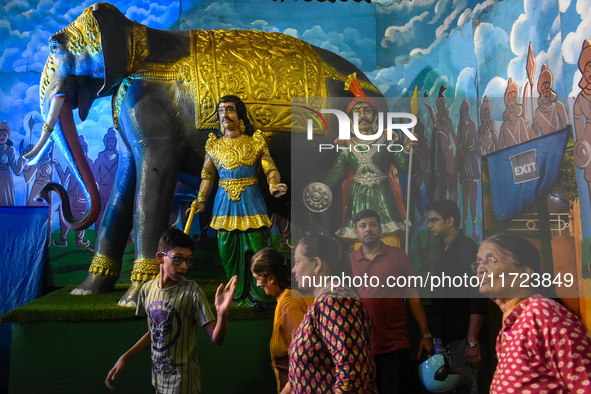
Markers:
60,306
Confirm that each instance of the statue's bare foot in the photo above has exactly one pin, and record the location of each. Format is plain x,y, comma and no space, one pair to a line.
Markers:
129,299
95,284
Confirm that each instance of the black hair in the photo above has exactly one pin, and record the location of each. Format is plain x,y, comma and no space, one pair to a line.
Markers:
267,262
175,238
523,252
329,251
366,214
240,109
447,209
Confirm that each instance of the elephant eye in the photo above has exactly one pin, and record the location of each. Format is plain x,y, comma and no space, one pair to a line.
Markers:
53,44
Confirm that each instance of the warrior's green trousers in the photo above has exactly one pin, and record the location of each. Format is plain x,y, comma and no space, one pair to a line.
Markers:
236,249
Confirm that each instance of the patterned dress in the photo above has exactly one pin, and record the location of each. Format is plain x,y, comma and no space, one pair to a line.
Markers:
174,314
331,351
542,348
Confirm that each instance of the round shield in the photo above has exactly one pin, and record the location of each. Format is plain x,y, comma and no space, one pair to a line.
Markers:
582,153
317,197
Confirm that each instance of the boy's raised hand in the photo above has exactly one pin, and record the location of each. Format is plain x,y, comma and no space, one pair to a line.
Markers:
224,296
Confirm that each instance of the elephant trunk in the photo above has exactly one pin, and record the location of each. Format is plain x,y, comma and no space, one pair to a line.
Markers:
67,140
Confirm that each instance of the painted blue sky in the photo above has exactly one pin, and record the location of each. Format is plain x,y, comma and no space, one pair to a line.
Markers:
399,44
375,37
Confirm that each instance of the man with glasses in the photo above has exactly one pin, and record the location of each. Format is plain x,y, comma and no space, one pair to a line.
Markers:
457,313
175,308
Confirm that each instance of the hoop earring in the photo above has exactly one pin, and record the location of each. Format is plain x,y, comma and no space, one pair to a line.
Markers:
242,127
374,126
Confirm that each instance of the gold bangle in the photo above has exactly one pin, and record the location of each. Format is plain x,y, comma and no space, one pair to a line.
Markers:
201,197
47,128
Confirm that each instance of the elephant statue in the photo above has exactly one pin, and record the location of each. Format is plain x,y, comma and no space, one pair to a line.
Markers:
165,86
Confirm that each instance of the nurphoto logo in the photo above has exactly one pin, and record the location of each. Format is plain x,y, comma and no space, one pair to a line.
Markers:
402,121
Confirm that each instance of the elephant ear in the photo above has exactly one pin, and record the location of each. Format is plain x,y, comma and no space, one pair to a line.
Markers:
115,31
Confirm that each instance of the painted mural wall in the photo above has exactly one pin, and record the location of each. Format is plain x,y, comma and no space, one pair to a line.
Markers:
491,75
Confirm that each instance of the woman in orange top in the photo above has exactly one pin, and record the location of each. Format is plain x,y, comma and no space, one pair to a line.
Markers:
273,274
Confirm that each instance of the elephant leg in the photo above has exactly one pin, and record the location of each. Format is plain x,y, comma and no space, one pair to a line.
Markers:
156,181
111,240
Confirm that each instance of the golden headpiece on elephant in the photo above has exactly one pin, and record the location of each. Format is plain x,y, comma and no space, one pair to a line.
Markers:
352,85
584,59
84,34
546,78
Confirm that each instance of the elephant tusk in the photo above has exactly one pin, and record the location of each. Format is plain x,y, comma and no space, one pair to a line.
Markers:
56,106
44,137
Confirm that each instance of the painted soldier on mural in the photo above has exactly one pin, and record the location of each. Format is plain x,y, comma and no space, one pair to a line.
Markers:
515,128
469,166
9,162
40,173
105,169
443,143
582,115
489,142
421,174
551,114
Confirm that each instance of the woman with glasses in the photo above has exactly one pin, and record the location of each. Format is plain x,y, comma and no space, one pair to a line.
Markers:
542,346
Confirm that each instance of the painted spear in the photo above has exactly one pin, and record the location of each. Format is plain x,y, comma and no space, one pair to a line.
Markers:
414,107
531,71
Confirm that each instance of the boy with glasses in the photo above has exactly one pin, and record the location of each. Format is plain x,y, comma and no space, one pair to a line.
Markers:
175,308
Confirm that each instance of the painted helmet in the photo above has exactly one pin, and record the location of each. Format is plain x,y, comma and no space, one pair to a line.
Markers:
435,375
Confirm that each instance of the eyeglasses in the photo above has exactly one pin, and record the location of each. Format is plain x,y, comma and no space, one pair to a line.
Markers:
434,220
179,260
489,262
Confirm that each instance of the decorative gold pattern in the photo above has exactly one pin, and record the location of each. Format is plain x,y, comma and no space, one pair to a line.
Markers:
144,270
201,197
235,187
264,69
118,99
231,153
139,47
46,76
47,128
83,35
105,266
179,71
205,174
268,165
240,223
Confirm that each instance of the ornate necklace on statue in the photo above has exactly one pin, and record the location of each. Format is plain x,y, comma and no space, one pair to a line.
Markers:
231,153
